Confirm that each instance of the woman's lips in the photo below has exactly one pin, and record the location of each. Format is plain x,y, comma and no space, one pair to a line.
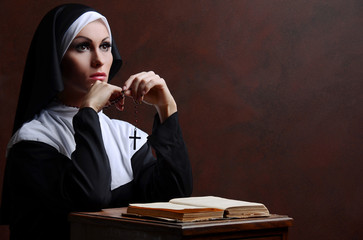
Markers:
99,76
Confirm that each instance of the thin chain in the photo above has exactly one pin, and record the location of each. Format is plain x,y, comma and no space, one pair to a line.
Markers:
135,113
135,137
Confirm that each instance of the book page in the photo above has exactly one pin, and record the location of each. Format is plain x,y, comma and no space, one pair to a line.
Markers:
165,205
214,202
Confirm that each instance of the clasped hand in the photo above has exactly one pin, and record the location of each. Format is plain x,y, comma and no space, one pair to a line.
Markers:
146,87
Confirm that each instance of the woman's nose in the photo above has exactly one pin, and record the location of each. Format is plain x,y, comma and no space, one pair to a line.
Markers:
97,60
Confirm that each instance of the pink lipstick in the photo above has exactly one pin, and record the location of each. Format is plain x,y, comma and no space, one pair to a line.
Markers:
99,76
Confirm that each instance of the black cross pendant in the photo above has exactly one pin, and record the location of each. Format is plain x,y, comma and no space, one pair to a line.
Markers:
134,137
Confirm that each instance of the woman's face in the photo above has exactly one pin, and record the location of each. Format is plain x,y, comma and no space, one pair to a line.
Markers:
87,60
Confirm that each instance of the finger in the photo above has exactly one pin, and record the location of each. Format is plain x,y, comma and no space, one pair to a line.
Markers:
114,87
148,83
137,85
141,90
130,80
117,95
120,105
154,81
111,93
137,77
133,88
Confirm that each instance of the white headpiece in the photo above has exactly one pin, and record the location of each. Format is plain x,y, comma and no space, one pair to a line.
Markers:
78,25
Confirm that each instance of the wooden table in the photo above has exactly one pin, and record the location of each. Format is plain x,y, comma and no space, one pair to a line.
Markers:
109,224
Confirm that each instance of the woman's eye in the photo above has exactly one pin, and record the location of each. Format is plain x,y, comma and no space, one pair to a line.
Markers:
82,47
105,46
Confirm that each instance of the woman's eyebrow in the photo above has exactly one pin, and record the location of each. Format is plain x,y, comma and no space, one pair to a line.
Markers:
105,39
90,40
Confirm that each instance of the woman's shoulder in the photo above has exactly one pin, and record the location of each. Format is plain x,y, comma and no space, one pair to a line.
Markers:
46,130
34,130
31,131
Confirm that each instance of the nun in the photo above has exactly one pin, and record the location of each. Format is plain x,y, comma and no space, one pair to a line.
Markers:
65,154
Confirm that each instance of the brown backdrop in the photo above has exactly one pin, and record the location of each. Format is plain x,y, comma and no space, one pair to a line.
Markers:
269,94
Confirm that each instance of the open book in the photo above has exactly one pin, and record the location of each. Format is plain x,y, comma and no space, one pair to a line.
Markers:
199,208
